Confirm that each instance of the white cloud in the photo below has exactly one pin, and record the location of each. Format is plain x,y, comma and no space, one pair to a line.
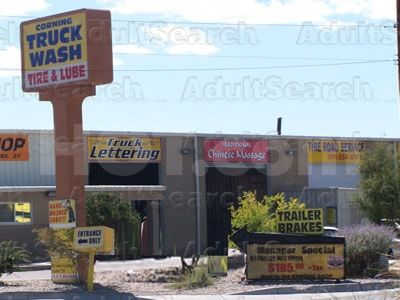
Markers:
200,49
130,49
10,62
117,62
253,11
22,7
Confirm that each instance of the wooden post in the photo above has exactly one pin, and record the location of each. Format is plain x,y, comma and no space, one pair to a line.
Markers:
69,150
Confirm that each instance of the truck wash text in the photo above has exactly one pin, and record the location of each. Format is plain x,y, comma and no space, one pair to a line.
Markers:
59,32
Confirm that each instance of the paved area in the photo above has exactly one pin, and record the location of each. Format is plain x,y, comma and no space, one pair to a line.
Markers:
101,266
375,295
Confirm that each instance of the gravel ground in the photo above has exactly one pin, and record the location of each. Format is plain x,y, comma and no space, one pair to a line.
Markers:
130,282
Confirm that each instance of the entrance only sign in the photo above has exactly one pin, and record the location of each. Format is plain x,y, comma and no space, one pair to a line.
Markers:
94,239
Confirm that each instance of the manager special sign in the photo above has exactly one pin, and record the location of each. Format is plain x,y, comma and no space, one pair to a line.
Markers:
73,47
236,150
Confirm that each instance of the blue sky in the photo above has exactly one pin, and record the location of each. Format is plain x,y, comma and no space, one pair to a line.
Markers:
273,52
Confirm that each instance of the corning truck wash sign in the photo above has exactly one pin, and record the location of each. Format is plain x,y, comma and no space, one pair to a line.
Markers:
73,47
14,147
334,152
55,51
236,150
305,221
129,148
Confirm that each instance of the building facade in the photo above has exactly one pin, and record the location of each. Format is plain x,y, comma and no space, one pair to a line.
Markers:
182,184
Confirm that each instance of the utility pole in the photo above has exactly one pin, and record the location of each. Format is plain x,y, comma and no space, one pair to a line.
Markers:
398,40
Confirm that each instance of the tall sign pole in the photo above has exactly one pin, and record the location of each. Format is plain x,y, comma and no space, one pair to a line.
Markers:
398,40
64,57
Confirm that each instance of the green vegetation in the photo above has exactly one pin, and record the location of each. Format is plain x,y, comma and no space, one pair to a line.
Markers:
259,216
109,210
379,195
197,278
10,255
366,248
59,243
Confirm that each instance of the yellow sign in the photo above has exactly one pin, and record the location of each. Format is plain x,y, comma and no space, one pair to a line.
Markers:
334,152
217,265
54,50
63,270
14,147
133,148
305,221
295,261
62,213
94,239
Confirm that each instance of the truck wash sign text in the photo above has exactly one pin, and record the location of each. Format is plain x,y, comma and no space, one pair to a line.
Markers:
54,51
305,221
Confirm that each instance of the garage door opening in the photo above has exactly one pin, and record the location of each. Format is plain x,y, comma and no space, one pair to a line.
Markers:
223,187
123,174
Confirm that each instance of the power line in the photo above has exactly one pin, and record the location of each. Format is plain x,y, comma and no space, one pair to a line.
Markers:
228,68
249,56
239,23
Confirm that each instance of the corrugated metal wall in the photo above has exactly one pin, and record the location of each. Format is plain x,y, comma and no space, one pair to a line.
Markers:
348,213
39,170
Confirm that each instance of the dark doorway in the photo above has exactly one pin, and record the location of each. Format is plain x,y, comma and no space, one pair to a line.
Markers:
123,174
223,187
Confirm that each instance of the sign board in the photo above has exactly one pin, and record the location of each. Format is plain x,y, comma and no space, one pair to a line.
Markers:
334,152
14,147
296,261
305,221
63,270
236,150
94,239
331,215
72,47
62,213
124,148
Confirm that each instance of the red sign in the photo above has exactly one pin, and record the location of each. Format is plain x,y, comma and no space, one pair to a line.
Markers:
236,150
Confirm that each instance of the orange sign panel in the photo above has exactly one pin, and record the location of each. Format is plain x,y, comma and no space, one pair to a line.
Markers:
14,147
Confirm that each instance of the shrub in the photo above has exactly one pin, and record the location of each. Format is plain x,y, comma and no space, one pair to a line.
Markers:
59,243
10,255
198,278
111,211
259,216
366,245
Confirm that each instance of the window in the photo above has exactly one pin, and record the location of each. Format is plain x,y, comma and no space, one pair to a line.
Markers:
15,212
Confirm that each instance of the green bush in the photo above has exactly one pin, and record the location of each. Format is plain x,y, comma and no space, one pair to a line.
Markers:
366,248
198,278
111,211
59,243
259,216
10,255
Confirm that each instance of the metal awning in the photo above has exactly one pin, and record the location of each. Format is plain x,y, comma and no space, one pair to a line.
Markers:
129,192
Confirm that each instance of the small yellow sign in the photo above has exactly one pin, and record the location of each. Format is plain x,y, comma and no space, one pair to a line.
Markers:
124,148
305,221
334,152
94,239
62,213
295,261
63,270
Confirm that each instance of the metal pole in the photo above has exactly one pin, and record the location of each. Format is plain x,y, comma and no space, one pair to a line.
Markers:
198,197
